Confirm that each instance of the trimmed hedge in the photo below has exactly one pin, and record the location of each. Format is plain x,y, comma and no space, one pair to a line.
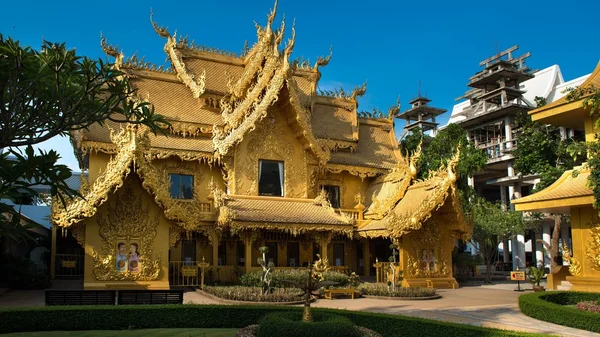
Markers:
289,324
59,318
554,307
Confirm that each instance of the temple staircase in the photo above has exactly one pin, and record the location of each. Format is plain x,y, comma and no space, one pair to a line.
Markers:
564,285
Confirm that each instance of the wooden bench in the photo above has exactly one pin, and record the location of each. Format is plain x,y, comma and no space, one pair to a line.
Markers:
330,292
80,297
150,297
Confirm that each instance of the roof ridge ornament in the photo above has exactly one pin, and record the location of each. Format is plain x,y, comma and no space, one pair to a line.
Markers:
111,51
322,61
196,86
394,109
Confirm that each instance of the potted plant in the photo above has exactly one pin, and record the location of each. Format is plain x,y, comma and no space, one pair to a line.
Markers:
535,277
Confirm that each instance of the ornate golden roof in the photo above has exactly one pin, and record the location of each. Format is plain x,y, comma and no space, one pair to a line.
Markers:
208,92
292,215
418,204
570,190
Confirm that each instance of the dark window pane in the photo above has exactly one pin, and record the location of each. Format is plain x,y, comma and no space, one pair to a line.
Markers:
270,178
333,194
182,186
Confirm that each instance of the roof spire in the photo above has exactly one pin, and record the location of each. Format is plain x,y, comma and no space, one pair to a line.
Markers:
161,31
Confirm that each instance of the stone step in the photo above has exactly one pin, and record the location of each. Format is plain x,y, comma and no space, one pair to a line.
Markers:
564,285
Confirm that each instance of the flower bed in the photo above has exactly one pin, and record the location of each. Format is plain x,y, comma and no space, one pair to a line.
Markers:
381,289
281,278
254,294
592,306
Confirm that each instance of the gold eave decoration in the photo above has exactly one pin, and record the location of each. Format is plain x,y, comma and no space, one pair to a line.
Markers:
394,187
197,87
359,171
399,225
134,153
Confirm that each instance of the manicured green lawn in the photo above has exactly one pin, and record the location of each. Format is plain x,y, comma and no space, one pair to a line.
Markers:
131,333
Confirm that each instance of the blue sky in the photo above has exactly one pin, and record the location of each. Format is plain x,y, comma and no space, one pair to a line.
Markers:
392,44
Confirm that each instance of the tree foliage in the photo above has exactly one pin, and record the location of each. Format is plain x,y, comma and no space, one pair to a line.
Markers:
50,93
493,224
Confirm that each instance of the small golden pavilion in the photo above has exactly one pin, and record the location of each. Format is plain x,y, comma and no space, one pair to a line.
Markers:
255,156
570,194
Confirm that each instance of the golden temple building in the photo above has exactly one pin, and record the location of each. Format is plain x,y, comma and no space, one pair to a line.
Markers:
255,156
570,194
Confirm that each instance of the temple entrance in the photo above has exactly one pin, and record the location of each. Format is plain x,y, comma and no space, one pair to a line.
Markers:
69,257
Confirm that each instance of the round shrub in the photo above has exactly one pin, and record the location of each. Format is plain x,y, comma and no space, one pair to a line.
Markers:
290,324
558,307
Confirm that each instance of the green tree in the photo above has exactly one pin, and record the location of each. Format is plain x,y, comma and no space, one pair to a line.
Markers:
50,93
493,224
541,150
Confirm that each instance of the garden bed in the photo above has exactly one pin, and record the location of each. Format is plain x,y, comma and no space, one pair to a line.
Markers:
253,295
559,307
380,291
126,317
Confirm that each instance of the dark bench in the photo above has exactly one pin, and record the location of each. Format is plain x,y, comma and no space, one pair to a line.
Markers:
150,297
80,297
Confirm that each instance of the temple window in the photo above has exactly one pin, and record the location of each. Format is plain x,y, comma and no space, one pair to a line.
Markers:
270,178
333,194
182,186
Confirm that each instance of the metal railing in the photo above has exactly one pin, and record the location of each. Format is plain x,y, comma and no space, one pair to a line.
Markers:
69,265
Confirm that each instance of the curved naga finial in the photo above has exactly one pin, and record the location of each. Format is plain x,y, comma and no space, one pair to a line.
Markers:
111,51
291,41
414,158
323,61
452,164
359,91
394,110
162,31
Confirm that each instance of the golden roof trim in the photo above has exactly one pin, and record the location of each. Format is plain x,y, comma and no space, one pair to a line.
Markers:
291,228
334,144
359,171
568,190
153,74
208,55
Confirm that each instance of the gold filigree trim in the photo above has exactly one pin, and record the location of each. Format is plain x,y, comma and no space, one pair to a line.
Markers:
592,251
203,157
87,146
323,201
188,129
292,228
359,171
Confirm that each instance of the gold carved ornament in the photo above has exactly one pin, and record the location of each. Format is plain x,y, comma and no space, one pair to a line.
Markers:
359,171
574,266
197,87
127,220
592,251
269,142
323,201
428,238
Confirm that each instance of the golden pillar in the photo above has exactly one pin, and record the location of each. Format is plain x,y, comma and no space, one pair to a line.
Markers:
248,255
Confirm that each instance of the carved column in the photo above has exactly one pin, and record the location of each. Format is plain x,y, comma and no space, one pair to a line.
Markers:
215,247
367,257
